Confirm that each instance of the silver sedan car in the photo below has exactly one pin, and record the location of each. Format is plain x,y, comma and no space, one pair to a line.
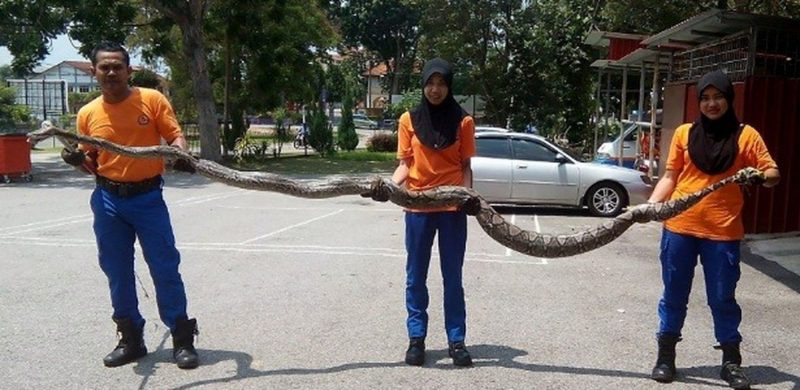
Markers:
516,168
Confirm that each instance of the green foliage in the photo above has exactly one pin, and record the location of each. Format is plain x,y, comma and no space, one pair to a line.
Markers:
5,73
410,100
145,78
389,28
346,137
80,99
382,143
282,134
12,114
249,146
321,134
29,26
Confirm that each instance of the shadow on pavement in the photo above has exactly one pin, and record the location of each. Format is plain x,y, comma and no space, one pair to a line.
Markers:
771,269
483,355
759,375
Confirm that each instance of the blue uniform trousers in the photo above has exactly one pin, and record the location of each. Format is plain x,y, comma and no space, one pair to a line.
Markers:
452,232
720,261
118,221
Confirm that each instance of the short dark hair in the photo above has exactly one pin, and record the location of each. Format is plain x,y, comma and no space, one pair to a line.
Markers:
111,47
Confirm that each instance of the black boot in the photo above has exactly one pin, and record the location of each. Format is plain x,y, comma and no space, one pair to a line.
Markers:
415,354
131,344
459,353
664,370
731,371
183,343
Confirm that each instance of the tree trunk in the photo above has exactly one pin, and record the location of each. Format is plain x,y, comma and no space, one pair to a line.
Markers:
188,15
194,51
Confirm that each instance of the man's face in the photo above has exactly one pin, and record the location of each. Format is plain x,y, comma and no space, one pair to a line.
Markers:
111,72
436,89
713,103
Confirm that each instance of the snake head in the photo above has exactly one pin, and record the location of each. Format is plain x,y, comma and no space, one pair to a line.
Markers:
750,176
40,135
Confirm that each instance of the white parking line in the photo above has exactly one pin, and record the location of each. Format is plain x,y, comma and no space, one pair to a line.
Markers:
69,219
268,208
513,222
538,230
291,227
263,248
206,198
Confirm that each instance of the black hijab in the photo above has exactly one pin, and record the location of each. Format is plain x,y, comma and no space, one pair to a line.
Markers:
714,144
437,126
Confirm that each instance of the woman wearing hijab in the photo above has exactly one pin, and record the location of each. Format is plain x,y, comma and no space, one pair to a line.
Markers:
435,143
704,152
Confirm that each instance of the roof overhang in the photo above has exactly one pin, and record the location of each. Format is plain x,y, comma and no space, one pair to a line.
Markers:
603,38
714,24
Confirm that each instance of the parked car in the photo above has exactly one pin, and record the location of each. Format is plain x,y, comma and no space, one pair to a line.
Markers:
361,121
526,169
481,129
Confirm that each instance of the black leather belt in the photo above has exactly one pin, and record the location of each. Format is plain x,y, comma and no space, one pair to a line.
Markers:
128,189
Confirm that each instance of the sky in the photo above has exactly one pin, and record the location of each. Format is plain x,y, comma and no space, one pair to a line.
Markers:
61,49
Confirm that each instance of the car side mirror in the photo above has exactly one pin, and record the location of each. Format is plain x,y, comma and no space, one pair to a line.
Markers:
561,159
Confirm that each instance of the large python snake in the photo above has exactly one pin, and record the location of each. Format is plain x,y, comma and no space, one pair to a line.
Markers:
523,241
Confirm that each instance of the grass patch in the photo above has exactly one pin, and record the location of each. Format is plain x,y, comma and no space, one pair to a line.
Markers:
347,163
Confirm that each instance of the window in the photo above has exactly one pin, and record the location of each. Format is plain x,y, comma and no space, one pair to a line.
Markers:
84,88
532,151
492,147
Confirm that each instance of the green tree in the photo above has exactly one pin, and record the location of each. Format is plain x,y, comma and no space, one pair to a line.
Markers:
145,78
346,137
5,73
79,99
389,28
34,23
11,114
321,134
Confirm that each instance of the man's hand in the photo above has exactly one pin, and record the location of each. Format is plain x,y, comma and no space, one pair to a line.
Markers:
379,191
472,206
181,164
74,158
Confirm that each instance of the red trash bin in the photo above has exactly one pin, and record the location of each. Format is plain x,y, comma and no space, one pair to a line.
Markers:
15,157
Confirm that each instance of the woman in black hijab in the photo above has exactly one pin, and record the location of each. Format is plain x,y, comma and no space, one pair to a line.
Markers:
701,153
435,143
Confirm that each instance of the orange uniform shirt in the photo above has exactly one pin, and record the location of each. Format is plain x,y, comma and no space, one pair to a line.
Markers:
142,119
719,215
431,168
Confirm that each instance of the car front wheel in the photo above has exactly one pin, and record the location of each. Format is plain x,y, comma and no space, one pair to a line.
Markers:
606,200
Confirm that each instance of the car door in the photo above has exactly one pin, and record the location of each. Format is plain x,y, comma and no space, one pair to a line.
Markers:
491,168
538,178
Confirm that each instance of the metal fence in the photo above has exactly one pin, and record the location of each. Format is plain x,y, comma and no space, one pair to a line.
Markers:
730,54
758,51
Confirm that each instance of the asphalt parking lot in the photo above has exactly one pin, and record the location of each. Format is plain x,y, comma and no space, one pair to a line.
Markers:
309,294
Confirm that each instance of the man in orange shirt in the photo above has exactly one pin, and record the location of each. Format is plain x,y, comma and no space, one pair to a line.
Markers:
702,153
128,204
435,143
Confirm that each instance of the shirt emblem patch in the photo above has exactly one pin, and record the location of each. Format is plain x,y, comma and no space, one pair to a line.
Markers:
143,120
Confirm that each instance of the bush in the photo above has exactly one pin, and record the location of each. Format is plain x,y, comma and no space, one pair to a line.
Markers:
249,146
382,143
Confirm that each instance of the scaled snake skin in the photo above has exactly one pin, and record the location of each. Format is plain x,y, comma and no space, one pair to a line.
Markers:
507,234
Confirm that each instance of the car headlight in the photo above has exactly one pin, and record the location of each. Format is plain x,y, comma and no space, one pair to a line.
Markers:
646,179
